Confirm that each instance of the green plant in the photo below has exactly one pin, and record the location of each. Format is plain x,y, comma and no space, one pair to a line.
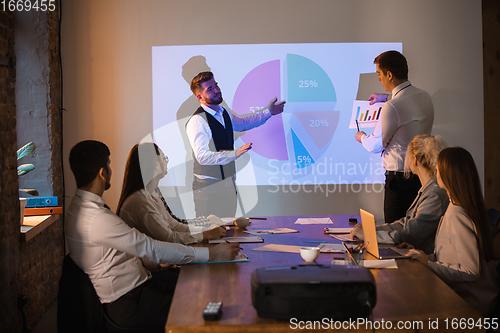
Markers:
25,168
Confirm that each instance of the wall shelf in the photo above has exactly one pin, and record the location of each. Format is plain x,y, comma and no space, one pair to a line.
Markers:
33,225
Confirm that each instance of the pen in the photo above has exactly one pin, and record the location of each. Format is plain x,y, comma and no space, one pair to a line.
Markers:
357,124
363,247
349,254
358,248
257,218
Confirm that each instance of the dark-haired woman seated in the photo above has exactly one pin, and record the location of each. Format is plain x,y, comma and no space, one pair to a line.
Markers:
141,205
463,255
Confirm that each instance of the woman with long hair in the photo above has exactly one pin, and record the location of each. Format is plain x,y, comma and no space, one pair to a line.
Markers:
141,205
463,255
420,223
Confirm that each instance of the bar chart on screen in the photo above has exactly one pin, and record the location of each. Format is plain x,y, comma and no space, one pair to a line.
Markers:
367,115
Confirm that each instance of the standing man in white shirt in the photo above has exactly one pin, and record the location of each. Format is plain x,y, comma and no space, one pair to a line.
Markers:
210,133
410,112
108,250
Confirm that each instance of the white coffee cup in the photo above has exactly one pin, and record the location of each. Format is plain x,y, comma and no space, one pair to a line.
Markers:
241,222
309,254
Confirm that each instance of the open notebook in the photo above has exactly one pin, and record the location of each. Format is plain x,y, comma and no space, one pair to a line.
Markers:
250,239
240,257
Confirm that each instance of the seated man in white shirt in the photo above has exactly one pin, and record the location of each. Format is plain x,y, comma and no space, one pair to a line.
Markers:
108,250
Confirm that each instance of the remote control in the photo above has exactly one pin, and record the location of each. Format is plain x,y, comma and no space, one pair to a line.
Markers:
212,311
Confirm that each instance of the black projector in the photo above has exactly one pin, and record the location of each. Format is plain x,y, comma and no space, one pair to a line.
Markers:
313,292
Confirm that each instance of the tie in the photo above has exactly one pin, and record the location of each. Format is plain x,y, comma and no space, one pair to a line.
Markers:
158,192
220,117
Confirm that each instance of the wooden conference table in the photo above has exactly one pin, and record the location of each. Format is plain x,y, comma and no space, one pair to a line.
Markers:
410,293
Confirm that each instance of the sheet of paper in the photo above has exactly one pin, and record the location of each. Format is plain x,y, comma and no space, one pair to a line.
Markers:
251,239
230,221
381,264
385,263
279,248
313,240
227,220
240,257
345,238
314,220
331,248
337,230
272,231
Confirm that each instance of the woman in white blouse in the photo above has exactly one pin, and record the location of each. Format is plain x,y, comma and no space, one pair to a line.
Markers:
141,205
463,255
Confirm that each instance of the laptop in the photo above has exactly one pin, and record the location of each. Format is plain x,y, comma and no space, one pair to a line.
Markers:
370,233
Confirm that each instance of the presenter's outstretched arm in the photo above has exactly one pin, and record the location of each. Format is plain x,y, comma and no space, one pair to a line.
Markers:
276,108
243,149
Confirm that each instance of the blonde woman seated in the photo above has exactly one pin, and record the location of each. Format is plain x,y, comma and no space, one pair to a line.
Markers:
419,226
141,205
463,255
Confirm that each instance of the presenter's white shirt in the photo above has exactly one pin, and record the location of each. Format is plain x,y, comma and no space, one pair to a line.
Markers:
410,112
200,134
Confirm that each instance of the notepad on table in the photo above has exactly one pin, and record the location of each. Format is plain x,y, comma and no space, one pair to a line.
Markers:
387,263
272,231
345,237
331,248
337,230
251,239
295,248
240,257
279,248
314,220
380,264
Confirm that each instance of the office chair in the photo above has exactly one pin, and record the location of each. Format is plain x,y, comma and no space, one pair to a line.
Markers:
494,216
79,309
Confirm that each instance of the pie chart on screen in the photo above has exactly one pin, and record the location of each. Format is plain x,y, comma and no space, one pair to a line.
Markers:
303,132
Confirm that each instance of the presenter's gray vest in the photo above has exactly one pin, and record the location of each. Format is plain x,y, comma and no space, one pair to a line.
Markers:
222,139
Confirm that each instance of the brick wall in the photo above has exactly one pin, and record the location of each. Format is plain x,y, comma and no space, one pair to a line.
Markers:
33,268
9,204
39,272
41,257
